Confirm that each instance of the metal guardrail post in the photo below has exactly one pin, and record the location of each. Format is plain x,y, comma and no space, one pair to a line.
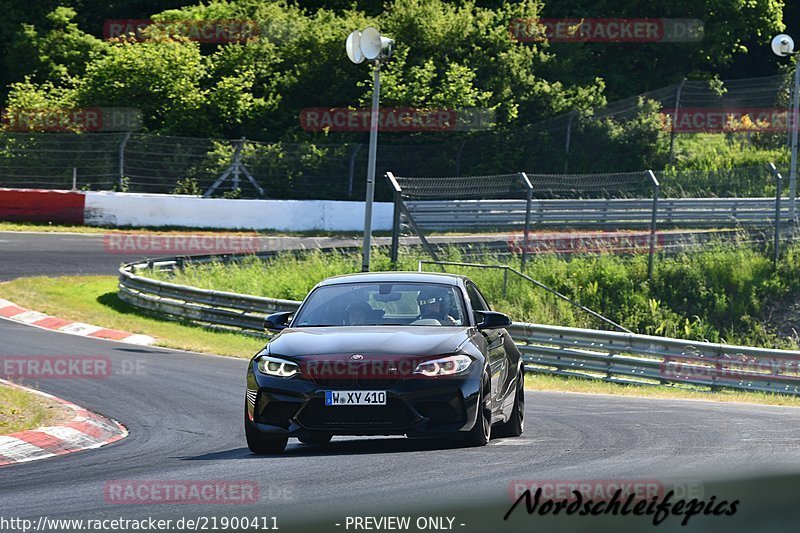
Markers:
778,187
526,236
505,282
653,222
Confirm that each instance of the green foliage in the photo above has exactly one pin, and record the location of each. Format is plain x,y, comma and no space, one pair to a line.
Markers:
162,78
123,185
55,51
187,185
448,55
731,28
232,194
717,164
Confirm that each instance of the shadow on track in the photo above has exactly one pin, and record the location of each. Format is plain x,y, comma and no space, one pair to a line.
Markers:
348,446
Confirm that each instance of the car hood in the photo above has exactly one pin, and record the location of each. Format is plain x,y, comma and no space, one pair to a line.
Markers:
413,341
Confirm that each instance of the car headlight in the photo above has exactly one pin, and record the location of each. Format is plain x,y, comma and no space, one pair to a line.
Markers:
280,368
446,366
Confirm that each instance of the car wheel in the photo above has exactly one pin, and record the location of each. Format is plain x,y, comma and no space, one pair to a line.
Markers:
316,438
262,444
481,432
516,423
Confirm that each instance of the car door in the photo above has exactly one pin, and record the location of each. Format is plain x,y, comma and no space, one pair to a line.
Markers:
498,362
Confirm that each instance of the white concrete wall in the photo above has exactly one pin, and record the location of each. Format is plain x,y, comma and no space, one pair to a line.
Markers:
127,209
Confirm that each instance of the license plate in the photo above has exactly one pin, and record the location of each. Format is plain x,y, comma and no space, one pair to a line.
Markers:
361,397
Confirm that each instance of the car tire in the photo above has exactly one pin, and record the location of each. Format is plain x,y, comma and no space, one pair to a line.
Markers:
316,438
259,443
516,422
481,432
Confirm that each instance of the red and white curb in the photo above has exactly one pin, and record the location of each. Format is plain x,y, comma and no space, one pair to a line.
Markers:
85,431
16,313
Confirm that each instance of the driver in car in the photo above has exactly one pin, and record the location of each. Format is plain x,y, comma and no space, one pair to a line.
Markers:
433,304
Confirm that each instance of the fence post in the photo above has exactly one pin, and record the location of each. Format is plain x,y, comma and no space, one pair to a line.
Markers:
458,157
122,158
778,187
675,119
352,169
527,183
397,194
653,223
568,141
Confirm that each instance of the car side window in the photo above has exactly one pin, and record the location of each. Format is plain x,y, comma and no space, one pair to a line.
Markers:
476,299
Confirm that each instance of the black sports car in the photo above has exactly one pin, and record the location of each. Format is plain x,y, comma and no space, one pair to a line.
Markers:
393,353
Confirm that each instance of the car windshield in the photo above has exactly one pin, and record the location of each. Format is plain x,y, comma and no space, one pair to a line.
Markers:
382,304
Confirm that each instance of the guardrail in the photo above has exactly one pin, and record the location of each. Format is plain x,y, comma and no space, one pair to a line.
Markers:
606,355
595,213
201,306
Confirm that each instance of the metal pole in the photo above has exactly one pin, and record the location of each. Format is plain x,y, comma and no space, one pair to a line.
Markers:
122,157
794,126
396,227
528,203
653,221
397,194
458,157
505,282
674,120
567,142
373,148
352,169
74,178
237,156
778,187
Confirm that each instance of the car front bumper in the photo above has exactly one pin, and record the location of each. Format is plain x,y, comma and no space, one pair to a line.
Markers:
417,406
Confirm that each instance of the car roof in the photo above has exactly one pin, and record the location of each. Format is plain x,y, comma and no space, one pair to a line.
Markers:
397,277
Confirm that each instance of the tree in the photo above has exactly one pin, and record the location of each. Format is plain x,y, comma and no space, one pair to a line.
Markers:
731,28
55,50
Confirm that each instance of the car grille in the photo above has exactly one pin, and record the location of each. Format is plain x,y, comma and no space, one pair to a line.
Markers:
277,413
357,382
394,414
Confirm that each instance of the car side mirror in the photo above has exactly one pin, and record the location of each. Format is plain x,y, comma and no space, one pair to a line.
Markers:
493,320
278,321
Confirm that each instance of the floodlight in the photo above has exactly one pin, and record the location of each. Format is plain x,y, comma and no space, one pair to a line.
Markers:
353,47
782,45
371,43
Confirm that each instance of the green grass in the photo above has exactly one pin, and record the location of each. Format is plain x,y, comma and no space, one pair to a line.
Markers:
93,299
542,382
21,410
717,164
717,295
66,228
